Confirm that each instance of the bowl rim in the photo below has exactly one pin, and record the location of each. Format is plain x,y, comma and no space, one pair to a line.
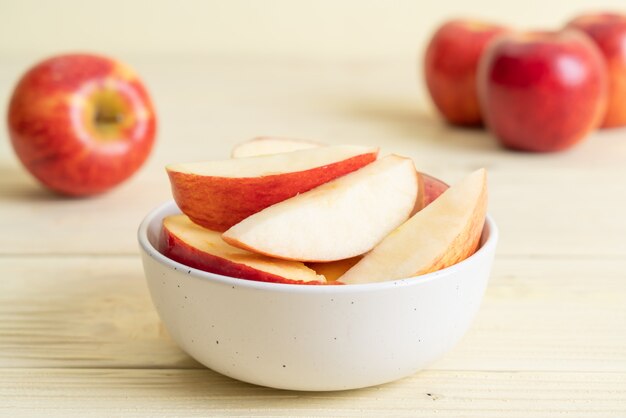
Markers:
488,245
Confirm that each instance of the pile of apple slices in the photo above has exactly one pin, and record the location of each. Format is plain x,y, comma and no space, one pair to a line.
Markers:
290,211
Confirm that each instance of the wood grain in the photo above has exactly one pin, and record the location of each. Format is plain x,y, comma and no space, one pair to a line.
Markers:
104,392
81,312
96,312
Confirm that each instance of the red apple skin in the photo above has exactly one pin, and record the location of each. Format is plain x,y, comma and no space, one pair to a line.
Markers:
217,203
542,91
174,248
429,189
433,188
608,32
81,123
450,68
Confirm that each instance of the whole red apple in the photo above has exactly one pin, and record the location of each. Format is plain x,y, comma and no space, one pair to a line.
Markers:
450,68
608,31
81,123
542,91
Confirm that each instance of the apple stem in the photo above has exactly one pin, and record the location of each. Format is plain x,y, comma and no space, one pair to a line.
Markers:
104,117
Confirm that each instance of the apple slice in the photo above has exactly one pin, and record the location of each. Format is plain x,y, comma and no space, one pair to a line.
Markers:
440,235
265,145
197,247
340,219
433,188
430,188
219,194
419,200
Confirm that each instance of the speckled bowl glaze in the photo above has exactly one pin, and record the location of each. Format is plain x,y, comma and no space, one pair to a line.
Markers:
316,338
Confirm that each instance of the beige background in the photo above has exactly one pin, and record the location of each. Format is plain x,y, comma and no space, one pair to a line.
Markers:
352,28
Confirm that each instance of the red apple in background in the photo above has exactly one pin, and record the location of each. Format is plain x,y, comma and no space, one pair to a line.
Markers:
542,91
450,68
608,31
81,123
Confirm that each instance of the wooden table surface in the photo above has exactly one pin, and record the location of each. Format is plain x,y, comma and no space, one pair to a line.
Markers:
79,335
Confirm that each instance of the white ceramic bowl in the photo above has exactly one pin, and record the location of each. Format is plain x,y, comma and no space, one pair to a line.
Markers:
305,337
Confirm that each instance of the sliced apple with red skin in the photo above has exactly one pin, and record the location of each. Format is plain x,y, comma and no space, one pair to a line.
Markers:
442,234
219,194
419,200
430,188
197,247
340,219
266,145
433,188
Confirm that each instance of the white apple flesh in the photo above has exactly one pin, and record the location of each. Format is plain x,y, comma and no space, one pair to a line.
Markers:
266,145
340,219
219,194
442,234
197,247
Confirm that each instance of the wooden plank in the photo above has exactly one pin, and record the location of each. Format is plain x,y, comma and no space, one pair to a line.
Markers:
77,312
550,315
102,392
35,221
555,314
